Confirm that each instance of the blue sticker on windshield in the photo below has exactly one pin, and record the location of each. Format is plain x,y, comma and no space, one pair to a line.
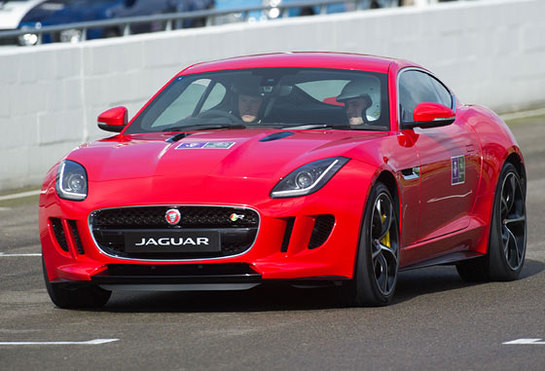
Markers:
206,145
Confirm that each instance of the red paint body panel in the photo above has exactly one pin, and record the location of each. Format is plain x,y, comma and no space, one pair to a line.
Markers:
437,217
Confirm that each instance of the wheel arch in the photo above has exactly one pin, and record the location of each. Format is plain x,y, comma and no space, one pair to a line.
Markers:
515,159
389,180
350,288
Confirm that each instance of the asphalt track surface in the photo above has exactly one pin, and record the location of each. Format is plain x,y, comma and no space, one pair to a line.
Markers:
436,320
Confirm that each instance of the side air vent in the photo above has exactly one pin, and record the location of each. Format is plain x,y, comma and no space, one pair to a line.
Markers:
321,231
287,235
75,234
58,230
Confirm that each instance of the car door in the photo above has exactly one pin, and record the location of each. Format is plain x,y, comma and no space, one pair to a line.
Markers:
449,158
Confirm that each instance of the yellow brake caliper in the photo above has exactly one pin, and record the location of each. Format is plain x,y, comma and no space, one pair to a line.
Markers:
386,240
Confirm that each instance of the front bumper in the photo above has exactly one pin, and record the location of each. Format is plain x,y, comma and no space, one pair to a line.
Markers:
305,238
186,277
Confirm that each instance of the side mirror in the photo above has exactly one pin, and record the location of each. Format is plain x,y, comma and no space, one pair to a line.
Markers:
114,119
430,115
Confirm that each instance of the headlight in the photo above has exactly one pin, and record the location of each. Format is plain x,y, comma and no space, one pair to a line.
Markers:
71,181
308,178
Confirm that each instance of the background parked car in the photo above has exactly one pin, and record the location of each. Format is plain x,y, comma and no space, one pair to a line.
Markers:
274,12
11,14
58,12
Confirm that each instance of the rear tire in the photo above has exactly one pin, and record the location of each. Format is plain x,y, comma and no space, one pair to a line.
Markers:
74,296
507,241
377,261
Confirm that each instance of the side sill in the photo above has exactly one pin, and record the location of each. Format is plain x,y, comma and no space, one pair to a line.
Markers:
447,259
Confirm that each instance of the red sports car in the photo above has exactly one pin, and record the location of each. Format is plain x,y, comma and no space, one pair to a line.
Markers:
307,168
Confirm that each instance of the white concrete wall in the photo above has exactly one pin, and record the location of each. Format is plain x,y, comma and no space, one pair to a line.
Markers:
489,52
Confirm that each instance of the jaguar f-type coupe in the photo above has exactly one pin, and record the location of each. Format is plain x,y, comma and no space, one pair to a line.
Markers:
305,168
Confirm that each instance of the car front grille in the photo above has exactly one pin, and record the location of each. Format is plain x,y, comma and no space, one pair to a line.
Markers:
237,228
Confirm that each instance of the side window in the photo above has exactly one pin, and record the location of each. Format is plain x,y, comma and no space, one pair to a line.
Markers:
416,87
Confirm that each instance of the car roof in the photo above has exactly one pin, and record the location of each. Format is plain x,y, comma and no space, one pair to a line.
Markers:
350,61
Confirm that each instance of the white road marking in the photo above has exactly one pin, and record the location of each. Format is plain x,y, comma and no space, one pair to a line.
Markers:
3,254
525,341
88,342
523,114
19,195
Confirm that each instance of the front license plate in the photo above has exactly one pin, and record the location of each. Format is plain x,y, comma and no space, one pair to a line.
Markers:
172,241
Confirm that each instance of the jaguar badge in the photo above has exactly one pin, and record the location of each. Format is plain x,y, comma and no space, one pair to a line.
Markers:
173,216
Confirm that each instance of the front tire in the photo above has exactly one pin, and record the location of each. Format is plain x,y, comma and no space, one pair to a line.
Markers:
72,296
507,240
377,261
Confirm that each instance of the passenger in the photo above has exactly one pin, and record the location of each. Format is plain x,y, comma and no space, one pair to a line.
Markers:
356,102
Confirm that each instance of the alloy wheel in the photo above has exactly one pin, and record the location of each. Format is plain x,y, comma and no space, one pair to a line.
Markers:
513,221
384,244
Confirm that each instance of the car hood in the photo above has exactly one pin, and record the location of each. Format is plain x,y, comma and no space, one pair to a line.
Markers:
230,160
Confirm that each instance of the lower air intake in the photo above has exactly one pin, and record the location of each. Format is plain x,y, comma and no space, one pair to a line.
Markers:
323,226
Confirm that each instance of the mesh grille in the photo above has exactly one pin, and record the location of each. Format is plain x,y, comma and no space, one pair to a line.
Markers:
192,217
321,231
237,226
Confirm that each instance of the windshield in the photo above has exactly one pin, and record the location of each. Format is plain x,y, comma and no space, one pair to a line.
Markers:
269,97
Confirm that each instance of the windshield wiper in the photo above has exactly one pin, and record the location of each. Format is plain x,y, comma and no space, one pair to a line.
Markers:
204,127
310,126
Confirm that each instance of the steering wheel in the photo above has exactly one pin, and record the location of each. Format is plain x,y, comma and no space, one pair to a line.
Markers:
216,115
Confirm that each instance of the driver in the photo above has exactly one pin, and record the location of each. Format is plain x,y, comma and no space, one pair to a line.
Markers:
249,106
249,100
356,99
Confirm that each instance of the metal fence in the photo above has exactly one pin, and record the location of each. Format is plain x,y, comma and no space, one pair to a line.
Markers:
77,32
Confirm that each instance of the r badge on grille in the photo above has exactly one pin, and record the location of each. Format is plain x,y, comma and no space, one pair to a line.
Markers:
235,217
173,216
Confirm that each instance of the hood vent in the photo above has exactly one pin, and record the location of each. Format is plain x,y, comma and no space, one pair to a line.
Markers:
275,136
177,137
